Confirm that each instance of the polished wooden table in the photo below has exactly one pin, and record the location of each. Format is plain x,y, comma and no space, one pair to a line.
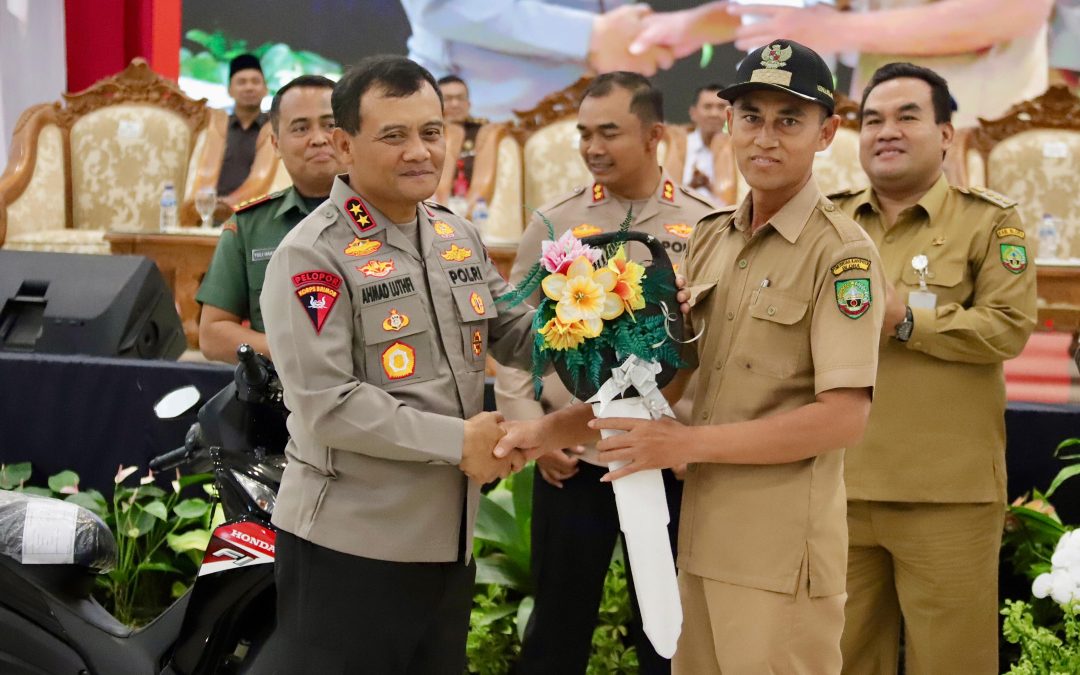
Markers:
1059,296
183,258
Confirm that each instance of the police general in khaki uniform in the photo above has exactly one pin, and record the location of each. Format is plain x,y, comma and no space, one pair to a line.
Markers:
927,483
620,122
786,293
380,320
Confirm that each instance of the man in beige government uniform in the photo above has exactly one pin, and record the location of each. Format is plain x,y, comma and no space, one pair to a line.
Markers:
380,313
620,122
788,293
927,483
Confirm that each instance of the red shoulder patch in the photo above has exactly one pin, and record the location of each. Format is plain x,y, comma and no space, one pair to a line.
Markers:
229,226
317,291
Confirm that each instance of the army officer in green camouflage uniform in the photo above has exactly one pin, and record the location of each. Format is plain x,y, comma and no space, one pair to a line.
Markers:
301,120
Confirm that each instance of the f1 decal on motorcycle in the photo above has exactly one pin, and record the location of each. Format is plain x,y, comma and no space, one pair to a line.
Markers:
236,545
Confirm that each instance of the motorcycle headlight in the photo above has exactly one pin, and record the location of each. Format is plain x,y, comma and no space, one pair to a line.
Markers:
263,496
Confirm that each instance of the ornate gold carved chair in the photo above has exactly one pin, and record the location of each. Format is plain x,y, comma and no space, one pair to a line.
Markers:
98,161
1032,155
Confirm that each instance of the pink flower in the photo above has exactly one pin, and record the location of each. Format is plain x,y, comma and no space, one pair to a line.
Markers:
556,256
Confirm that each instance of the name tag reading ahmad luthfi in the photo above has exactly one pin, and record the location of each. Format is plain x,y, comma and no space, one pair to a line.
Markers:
922,298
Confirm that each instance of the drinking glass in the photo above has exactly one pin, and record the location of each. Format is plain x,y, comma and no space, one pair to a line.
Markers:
205,202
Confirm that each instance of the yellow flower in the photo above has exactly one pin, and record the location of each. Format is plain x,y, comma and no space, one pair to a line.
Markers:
628,281
559,335
584,294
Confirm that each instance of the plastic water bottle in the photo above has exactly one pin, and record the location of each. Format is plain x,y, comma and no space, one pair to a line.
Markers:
480,215
167,218
1049,237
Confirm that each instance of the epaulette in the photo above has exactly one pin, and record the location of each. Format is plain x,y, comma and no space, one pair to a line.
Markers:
255,201
695,196
562,199
987,195
849,192
431,203
845,225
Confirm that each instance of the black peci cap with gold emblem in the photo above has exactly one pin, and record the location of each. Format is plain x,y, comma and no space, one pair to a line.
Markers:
784,65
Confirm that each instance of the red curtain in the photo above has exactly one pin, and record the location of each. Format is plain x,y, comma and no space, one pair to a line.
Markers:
104,35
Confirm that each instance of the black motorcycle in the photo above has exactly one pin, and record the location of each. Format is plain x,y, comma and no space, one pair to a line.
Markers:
51,624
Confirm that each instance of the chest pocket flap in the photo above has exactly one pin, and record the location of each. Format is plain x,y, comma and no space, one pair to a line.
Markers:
772,305
474,302
393,319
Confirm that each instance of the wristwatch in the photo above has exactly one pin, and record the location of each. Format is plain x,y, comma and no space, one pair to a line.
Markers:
904,328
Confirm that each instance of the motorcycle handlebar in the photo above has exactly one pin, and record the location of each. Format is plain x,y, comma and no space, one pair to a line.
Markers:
170,460
255,374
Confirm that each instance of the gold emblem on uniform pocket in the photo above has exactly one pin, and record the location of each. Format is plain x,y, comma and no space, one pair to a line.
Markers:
376,268
456,254
585,230
399,361
477,343
679,229
477,303
395,321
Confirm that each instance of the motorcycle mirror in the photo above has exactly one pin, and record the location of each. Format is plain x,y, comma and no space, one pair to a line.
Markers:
177,402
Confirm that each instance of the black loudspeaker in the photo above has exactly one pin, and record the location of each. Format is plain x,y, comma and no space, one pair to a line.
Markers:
105,305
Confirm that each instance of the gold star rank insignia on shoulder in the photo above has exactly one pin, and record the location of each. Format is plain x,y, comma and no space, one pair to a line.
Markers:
853,297
359,214
669,191
597,192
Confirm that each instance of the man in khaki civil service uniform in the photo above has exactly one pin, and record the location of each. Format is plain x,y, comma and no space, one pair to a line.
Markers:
927,483
380,313
620,121
788,292
301,122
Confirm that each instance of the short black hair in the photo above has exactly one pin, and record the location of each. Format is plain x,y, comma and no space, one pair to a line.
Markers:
714,87
647,102
452,79
304,81
942,100
397,76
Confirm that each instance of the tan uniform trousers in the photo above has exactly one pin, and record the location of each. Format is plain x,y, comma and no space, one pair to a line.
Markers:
935,564
737,630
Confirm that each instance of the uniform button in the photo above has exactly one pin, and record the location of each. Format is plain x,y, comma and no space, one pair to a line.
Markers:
889,238
830,207
742,264
704,416
719,366
328,213
730,315
918,344
771,311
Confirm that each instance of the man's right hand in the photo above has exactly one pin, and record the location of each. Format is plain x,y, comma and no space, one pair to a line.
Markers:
478,462
613,32
555,467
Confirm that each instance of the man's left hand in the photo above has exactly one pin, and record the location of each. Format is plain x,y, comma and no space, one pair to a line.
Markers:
647,444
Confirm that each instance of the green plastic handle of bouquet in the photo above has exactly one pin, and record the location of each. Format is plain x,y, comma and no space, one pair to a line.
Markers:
661,266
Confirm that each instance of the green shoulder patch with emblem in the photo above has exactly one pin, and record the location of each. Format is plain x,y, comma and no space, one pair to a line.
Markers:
853,297
1014,258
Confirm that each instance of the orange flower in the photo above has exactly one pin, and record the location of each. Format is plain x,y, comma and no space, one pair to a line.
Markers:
627,281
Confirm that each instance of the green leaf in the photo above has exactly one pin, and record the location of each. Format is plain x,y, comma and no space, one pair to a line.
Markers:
522,488
1063,475
492,615
706,55
191,508
501,570
37,491
87,500
495,525
14,475
64,479
149,490
1064,445
178,589
192,540
525,610
157,509
156,567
